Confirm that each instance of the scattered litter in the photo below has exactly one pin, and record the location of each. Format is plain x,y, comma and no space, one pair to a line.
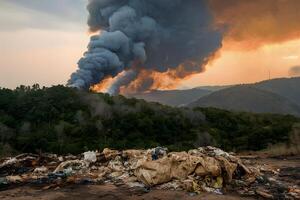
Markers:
90,156
14,179
206,169
41,170
3,181
158,152
110,154
135,184
71,164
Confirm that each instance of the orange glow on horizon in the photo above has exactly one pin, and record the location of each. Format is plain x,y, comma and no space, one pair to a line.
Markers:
237,67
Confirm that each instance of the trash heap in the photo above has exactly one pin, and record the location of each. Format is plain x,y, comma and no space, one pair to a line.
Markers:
206,169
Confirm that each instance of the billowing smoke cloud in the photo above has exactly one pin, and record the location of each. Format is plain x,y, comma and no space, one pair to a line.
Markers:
294,71
250,24
145,35
123,79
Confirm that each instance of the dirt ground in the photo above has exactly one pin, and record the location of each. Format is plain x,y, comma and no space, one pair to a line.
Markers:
289,166
104,192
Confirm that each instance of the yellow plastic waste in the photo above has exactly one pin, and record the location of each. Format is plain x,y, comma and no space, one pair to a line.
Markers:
218,183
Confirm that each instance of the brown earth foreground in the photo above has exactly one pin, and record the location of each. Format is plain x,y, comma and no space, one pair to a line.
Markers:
279,179
105,192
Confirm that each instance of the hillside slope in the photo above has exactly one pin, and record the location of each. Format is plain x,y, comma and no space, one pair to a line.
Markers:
285,87
250,99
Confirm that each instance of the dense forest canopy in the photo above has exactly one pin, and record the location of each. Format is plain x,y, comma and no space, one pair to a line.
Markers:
64,120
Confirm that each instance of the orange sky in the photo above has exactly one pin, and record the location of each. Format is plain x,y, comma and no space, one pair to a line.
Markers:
39,56
251,24
249,66
27,58
260,37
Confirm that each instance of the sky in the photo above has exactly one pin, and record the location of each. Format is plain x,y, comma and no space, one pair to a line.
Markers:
42,40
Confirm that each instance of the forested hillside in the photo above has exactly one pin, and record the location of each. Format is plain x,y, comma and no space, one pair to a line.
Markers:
65,120
280,95
249,99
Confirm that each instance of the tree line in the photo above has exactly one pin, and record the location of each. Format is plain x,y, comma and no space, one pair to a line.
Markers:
65,120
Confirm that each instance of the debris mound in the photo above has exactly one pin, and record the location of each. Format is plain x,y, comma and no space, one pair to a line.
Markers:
206,169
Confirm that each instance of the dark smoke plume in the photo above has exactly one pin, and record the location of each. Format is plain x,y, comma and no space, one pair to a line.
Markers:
155,35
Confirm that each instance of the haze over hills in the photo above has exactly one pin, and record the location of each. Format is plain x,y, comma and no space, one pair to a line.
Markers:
280,95
173,97
214,88
248,98
177,97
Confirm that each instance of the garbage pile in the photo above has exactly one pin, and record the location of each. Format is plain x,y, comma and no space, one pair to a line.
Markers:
206,169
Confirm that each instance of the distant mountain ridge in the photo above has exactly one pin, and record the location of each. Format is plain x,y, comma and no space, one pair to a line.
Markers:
272,96
285,87
281,95
250,99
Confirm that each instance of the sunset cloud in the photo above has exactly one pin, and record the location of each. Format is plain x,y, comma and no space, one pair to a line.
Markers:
251,24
